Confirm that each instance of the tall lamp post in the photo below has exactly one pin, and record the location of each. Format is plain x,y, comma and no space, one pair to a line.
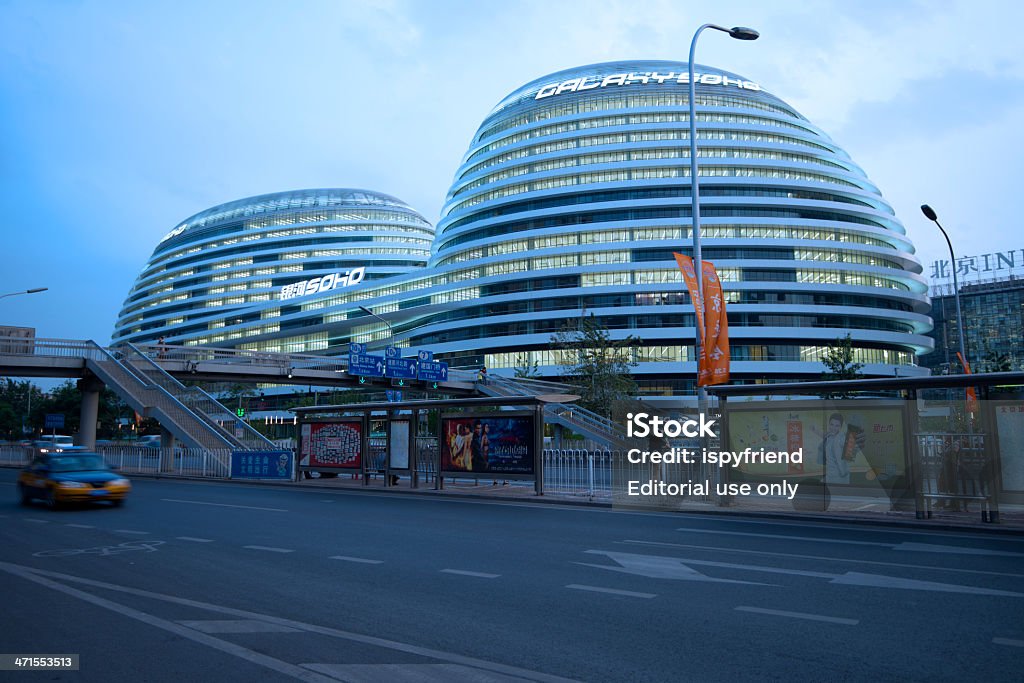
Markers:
27,291
930,214
740,33
391,330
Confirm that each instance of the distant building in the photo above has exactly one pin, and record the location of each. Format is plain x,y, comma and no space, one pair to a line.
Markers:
993,324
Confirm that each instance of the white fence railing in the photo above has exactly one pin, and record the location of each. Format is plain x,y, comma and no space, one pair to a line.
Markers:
191,462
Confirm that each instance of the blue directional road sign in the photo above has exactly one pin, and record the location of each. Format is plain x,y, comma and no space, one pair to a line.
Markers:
401,368
433,372
54,421
366,365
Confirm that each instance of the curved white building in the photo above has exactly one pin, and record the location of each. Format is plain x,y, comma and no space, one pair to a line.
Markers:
572,197
244,268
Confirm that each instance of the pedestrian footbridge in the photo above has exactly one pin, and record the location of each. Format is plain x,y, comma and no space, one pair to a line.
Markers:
149,379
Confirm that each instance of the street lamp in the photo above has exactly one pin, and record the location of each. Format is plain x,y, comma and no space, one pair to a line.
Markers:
740,33
930,214
367,311
27,291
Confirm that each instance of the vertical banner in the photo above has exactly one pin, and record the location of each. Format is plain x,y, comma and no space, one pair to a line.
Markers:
715,361
685,264
972,397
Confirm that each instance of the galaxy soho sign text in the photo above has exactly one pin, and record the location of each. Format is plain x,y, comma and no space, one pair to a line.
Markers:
322,284
591,82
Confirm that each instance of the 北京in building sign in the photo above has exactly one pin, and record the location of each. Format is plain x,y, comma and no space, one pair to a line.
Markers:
683,78
322,284
998,264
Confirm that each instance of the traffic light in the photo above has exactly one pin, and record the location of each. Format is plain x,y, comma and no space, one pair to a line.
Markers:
398,382
433,385
240,412
362,380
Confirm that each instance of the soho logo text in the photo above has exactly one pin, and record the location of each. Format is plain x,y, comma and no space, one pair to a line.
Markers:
323,284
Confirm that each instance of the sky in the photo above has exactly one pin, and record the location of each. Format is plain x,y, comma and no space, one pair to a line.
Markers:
121,119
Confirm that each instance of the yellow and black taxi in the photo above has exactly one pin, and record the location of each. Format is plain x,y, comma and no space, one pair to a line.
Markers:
71,476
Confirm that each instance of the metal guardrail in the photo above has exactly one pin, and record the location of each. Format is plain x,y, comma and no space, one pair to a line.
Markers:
48,348
194,462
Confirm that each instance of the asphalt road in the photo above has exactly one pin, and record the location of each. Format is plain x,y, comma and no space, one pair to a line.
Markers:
209,581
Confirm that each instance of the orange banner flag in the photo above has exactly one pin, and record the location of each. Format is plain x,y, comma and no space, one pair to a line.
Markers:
712,323
715,366
972,397
685,264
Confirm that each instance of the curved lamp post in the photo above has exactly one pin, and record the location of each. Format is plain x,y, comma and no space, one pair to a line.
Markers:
930,214
740,33
27,291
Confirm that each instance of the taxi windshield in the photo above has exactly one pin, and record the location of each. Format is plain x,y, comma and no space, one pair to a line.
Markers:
77,463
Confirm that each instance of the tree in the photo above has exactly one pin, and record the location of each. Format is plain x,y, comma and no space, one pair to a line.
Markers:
597,365
839,364
839,361
16,401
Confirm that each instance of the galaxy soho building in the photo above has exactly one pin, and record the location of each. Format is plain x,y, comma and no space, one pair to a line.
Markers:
570,200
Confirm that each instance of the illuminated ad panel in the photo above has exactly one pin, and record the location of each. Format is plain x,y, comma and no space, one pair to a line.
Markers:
332,445
488,444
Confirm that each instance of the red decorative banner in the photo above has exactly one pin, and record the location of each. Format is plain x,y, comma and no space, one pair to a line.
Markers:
972,397
712,323
715,368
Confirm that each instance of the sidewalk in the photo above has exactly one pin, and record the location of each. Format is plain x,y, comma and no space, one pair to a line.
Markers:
853,510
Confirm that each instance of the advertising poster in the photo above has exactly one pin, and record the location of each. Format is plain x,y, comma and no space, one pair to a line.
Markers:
843,444
1010,426
488,444
332,444
261,465
398,445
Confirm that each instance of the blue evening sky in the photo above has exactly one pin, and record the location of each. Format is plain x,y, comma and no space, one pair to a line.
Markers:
121,119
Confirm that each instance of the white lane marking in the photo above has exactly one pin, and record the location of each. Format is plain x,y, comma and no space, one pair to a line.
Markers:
654,567
822,557
410,673
37,521
346,558
195,539
813,539
610,591
463,572
879,581
848,578
832,527
906,545
1008,641
237,626
953,550
34,574
80,526
146,618
268,548
800,615
221,505
129,531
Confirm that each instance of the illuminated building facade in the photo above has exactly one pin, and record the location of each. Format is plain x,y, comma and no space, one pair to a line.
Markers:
570,200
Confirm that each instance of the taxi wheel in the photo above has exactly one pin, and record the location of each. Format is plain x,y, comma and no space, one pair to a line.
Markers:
26,498
51,500
117,503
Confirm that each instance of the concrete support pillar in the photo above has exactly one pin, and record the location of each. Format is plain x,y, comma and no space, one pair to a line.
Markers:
89,415
166,450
